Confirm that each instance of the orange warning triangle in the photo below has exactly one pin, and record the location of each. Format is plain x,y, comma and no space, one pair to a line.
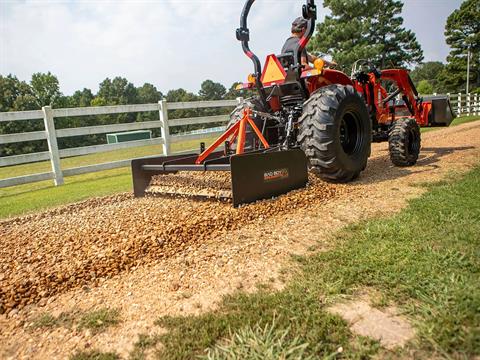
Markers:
273,71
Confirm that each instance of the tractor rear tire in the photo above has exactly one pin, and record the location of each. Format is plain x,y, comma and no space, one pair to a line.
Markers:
236,115
404,142
335,132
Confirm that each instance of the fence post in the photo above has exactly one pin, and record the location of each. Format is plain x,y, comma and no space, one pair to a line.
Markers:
165,129
239,100
52,145
476,108
468,104
459,105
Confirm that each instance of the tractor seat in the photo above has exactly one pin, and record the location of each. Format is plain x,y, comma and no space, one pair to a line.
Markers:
286,60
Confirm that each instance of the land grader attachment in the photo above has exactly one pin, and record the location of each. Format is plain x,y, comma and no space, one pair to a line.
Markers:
259,174
303,118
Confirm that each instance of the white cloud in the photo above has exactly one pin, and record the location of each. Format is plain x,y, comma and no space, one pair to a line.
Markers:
170,43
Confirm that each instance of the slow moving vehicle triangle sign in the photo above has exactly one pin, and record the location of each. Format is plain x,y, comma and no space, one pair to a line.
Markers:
273,71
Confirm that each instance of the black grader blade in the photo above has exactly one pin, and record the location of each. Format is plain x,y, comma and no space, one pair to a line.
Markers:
264,175
254,176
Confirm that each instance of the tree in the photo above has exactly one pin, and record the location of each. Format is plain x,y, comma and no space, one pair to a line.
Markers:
341,34
46,89
81,98
148,94
430,72
17,95
117,91
359,30
182,95
210,90
462,31
424,87
398,46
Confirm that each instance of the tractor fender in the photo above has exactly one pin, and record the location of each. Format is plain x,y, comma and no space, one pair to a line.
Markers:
336,77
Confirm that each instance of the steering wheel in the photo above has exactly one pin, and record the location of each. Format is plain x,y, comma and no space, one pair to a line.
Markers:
363,66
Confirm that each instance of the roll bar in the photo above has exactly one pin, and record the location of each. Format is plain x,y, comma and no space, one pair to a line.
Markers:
309,12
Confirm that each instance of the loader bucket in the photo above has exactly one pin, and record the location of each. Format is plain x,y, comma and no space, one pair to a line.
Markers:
254,176
441,113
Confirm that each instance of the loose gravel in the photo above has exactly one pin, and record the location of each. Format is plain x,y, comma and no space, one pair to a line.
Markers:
192,184
78,245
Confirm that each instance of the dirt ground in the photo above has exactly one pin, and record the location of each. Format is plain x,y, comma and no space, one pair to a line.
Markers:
155,256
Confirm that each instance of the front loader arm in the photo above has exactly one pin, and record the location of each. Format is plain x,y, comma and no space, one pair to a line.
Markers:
409,93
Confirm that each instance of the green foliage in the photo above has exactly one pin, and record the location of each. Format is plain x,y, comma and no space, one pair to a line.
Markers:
358,30
424,87
429,72
17,95
81,98
463,31
210,90
117,91
46,89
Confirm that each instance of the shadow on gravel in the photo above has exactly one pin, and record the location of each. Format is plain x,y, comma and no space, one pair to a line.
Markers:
380,169
434,154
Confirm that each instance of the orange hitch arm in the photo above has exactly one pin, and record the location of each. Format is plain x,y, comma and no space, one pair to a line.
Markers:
239,129
201,158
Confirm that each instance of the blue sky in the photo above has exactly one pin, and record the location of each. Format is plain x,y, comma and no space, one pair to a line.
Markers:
169,43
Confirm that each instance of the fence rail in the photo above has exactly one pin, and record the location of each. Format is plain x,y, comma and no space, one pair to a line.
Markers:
462,104
465,104
51,134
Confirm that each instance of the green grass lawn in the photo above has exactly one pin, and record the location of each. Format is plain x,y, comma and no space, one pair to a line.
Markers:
27,198
425,260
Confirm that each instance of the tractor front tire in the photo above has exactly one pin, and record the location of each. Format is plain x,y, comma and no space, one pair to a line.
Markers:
335,133
404,142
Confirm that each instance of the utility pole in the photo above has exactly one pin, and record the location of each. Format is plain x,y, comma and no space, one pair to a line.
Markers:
468,70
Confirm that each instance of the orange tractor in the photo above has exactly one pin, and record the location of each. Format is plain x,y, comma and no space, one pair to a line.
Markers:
307,118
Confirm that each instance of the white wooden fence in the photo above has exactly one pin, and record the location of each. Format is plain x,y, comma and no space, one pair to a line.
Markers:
51,134
465,104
